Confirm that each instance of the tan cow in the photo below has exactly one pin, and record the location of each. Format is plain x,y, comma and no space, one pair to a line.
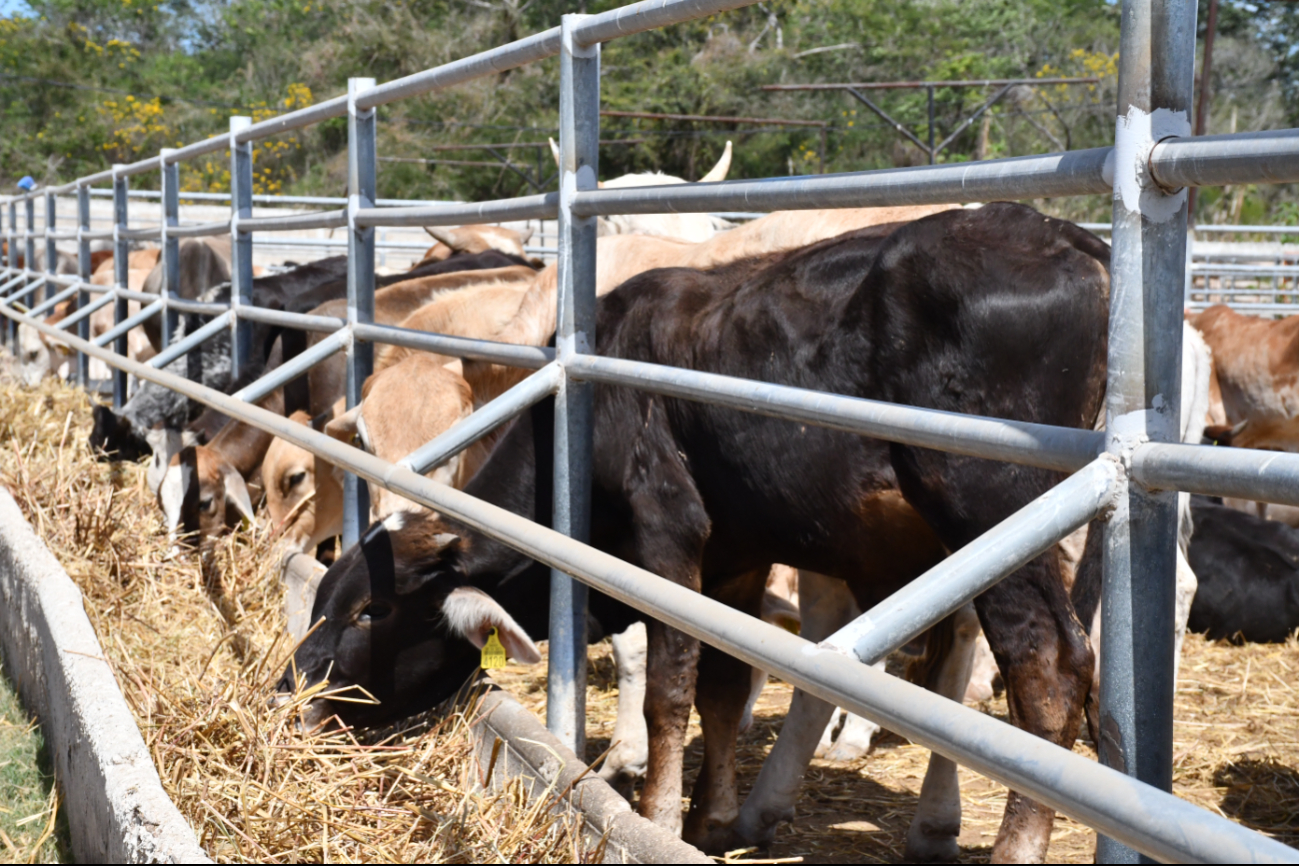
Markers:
473,239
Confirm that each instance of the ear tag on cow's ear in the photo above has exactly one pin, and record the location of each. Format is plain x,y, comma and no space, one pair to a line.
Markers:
493,653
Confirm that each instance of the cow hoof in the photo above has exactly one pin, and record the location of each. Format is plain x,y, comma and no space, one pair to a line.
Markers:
930,844
759,830
714,840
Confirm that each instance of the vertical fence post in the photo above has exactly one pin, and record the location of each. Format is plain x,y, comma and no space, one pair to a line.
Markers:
51,250
361,193
579,147
241,247
11,243
930,90
121,277
170,246
1156,68
83,271
29,241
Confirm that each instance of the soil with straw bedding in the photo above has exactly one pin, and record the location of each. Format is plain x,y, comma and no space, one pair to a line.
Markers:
197,645
197,649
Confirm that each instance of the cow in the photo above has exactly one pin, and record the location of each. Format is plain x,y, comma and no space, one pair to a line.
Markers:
204,263
465,303
705,496
472,240
1258,377
1248,570
221,500
688,227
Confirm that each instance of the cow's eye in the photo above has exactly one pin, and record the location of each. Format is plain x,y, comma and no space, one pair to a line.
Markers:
375,611
205,504
297,478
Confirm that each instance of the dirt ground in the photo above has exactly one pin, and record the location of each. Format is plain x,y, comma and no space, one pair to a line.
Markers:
1236,752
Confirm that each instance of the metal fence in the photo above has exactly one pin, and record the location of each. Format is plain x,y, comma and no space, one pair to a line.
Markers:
1129,473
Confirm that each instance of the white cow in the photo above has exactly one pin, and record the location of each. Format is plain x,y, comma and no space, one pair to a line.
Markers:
692,227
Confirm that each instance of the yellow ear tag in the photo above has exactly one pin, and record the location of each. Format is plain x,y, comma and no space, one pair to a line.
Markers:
493,653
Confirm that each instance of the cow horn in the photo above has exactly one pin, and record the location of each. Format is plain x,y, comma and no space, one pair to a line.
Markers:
444,235
554,151
524,237
719,171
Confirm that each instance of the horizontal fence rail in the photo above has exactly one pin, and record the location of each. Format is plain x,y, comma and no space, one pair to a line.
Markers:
1131,470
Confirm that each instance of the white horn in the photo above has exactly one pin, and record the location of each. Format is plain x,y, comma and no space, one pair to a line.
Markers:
443,234
554,151
719,171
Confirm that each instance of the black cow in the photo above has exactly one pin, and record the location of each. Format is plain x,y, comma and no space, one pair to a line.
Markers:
1248,571
998,311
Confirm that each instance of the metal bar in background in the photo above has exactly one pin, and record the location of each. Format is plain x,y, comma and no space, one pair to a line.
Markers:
883,115
85,311
120,330
241,246
21,278
1244,473
82,360
53,300
51,251
579,153
121,278
921,85
1157,823
530,357
170,245
301,321
11,261
532,207
362,148
199,230
294,367
29,236
933,154
1264,157
982,563
1061,448
198,308
484,420
190,342
1143,398
331,219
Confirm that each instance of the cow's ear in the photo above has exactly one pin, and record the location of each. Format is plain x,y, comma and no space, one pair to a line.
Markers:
165,442
237,492
472,614
346,427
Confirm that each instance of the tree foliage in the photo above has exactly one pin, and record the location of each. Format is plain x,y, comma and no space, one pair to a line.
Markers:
86,83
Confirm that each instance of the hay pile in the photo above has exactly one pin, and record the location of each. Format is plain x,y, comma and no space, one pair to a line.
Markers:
197,650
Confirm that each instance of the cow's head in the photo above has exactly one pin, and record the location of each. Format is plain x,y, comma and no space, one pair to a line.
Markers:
400,622
303,494
114,437
470,240
202,495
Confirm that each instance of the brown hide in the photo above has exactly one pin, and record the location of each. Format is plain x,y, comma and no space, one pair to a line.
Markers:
1256,364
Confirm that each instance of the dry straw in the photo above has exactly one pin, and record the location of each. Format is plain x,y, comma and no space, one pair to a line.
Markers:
197,648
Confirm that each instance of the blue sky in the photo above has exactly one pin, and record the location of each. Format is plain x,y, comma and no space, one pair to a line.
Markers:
9,7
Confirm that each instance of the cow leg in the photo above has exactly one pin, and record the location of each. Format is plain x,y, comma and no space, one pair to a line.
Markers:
714,802
721,698
937,822
825,605
671,527
629,752
1040,646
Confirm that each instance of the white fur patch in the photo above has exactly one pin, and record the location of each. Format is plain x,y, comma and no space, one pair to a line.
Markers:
171,496
395,522
472,613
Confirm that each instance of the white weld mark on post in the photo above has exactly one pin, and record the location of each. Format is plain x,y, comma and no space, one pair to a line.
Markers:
1135,136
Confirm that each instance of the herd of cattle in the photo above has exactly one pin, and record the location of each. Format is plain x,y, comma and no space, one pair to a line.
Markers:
994,310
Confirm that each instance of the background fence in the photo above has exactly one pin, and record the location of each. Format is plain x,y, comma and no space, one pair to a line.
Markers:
1128,474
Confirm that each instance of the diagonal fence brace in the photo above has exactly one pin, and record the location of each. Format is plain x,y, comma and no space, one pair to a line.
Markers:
191,341
981,564
484,420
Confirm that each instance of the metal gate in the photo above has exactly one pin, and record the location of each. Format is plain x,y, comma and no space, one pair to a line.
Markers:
1129,473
